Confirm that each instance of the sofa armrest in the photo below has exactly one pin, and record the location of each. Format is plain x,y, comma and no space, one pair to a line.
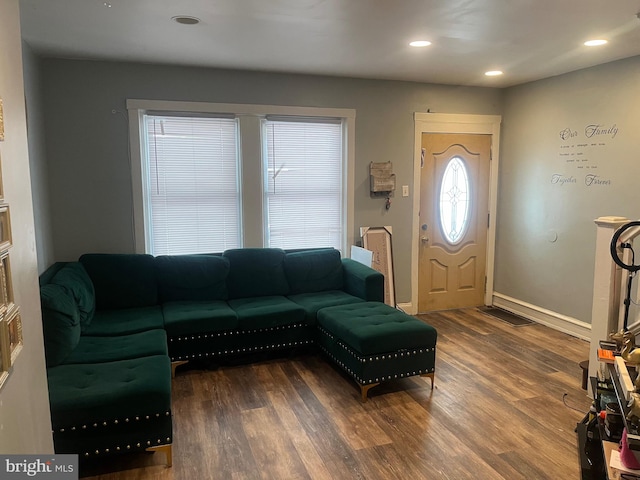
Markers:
362,281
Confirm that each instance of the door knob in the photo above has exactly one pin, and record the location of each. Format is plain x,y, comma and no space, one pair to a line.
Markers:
424,239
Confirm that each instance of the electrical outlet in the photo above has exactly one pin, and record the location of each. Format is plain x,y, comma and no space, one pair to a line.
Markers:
405,190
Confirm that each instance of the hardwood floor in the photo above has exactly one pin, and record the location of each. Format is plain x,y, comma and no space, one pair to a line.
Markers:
496,412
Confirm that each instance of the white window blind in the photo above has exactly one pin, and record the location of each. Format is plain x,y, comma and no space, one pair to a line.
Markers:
193,193
303,183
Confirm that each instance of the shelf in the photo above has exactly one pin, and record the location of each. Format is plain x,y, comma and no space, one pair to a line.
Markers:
633,435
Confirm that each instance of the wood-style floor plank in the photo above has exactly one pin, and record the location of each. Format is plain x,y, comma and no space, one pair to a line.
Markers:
496,412
299,437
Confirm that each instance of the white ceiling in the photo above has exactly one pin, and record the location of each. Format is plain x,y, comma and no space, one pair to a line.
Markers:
527,39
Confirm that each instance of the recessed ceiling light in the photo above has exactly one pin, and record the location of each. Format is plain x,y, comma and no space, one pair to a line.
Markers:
420,43
186,20
493,73
595,43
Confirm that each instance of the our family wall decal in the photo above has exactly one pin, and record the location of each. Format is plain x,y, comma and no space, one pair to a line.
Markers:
581,150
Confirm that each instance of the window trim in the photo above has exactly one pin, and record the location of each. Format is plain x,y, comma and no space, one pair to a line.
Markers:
138,108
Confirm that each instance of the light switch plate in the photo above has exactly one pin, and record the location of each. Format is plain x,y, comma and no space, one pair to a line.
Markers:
405,190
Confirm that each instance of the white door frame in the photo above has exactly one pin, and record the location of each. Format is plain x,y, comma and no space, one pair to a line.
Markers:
455,123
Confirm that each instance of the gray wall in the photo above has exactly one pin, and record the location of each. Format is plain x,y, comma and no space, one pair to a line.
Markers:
37,158
544,189
25,423
87,144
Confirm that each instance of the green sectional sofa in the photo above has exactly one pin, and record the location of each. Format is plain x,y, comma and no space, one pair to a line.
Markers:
117,325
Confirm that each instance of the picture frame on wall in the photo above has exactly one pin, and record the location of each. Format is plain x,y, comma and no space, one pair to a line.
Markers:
378,241
5,228
6,285
14,334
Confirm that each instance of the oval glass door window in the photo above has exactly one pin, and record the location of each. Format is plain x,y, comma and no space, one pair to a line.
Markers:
454,200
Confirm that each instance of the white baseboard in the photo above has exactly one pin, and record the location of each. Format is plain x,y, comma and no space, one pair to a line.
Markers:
551,319
407,308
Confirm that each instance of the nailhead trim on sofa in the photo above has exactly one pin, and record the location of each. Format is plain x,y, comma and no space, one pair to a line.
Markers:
243,350
106,423
236,332
118,448
273,346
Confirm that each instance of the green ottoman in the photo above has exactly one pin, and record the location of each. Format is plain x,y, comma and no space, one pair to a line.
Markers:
104,408
374,342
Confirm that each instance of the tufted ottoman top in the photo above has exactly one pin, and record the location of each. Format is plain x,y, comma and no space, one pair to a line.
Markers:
373,327
85,395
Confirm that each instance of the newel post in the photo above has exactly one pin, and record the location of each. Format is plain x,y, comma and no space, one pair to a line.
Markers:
606,289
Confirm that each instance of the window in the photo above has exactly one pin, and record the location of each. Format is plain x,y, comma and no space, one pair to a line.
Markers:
193,196
303,184
454,200
209,177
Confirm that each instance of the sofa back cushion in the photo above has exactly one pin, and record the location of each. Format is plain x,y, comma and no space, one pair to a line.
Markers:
192,277
75,279
313,271
122,280
60,323
256,272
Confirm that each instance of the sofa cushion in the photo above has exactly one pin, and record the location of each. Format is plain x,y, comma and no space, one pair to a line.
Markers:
192,277
313,271
74,277
256,272
109,323
312,302
60,323
127,390
124,347
122,280
373,327
184,318
266,312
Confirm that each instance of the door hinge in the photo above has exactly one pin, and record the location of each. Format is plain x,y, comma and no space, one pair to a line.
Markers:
485,284
488,220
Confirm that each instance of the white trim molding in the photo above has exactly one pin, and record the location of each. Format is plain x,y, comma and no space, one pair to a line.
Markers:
456,123
557,321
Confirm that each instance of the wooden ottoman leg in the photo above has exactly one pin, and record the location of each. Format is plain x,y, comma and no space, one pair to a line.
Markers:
364,389
175,364
431,375
167,451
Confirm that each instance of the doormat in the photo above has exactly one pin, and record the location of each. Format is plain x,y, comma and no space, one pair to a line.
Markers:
510,318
